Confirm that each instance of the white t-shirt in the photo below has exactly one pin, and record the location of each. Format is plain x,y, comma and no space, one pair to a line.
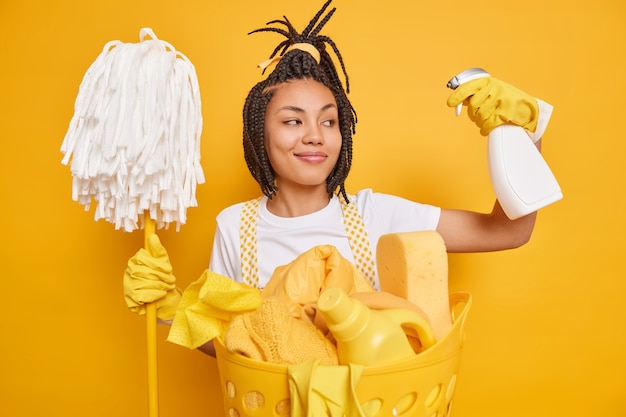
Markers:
282,239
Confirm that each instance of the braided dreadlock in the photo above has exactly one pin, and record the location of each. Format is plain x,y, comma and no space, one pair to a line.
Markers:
296,64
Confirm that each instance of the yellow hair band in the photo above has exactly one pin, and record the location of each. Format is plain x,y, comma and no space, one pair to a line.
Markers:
303,46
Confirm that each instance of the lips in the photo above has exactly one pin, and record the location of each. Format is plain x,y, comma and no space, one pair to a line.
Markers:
311,156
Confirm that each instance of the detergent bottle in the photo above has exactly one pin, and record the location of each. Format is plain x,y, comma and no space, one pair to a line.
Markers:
371,337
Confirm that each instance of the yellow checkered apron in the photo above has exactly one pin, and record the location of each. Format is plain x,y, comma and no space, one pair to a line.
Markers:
353,224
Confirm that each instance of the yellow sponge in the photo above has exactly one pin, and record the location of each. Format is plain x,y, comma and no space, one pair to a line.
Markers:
414,265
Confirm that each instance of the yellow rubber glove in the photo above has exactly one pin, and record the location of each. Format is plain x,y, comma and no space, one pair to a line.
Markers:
148,278
491,102
318,390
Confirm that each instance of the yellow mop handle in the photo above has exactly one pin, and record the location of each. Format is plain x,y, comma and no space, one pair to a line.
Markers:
151,331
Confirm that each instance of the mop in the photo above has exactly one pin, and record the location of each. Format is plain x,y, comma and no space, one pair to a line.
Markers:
133,146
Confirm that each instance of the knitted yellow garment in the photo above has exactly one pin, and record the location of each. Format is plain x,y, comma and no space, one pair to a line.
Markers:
272,334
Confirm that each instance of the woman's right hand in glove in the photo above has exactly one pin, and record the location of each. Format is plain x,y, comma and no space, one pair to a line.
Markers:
148,278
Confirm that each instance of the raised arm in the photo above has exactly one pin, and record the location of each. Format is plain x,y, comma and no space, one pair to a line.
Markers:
467,231
491,103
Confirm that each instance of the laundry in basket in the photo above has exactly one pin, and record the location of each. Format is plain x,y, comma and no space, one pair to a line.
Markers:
420,386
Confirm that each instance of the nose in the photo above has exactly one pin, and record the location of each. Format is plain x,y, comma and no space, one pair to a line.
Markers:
313,135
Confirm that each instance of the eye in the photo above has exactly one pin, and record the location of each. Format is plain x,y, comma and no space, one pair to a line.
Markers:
292,122
330,122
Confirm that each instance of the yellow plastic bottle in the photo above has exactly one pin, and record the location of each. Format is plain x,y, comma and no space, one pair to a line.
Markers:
370,337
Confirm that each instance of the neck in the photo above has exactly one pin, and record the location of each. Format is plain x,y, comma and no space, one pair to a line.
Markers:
295,203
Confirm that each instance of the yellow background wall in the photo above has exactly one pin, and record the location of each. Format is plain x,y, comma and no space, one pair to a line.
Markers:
546,334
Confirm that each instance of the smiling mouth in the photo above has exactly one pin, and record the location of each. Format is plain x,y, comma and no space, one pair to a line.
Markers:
311,156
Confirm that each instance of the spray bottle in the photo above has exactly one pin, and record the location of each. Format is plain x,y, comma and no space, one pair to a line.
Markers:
371,337
521,178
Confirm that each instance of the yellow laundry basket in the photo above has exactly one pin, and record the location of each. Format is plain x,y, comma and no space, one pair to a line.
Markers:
422,386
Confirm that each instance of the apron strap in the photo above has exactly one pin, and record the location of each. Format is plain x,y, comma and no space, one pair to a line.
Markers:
359,241
247,242
353,225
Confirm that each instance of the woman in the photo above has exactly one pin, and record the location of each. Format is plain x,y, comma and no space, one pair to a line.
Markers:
298,127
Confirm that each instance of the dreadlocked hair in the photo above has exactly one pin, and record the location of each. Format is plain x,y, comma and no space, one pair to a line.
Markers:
296,64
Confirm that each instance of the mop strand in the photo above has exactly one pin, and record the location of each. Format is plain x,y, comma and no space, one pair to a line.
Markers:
133,144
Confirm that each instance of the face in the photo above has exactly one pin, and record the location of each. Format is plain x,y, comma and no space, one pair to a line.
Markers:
302,136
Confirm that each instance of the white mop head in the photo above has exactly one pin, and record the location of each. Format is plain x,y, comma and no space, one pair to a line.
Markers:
134,139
